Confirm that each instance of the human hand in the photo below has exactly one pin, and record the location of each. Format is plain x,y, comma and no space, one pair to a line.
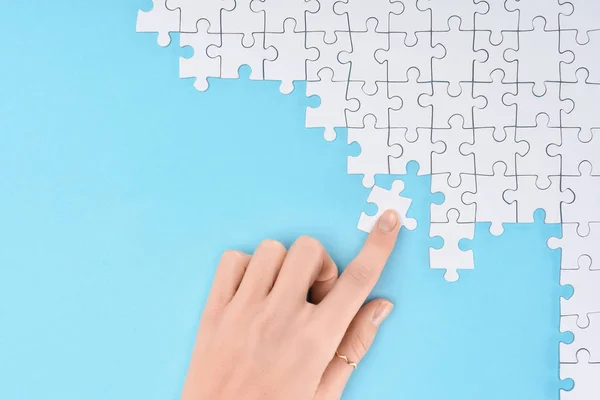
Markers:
259,337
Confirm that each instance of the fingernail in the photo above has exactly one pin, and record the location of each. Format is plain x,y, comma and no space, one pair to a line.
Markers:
388,221
382,312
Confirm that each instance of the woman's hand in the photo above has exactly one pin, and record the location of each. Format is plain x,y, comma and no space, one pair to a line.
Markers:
259,337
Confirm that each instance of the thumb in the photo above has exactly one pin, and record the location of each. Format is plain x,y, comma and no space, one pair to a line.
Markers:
355,344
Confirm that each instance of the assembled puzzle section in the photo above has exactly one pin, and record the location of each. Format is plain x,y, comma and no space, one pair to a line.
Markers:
496,100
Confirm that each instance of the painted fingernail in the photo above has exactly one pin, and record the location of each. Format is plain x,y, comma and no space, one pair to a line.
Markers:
381,312
388,221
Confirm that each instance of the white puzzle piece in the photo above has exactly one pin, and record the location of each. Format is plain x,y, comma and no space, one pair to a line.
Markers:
489,198
411,20
411,115
193,11
328,55
277,12
453,198
538,161
538,56
385,200
159,20
445,105
496,21
529,198
359,12
364,67
532,9
450,257
400,57
443,10
584,18
585,376
292,55
586,189
379,104
375,151
492,146
586,296
457,65
585,337
200,65
453,160
419,149
234,54
330,113
574,246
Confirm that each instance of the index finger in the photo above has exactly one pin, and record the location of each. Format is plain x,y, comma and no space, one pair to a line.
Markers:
360,276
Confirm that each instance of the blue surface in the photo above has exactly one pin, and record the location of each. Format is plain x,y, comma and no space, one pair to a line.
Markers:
120,185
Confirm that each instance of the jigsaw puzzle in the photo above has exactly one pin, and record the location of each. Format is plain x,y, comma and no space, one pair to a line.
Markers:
497,100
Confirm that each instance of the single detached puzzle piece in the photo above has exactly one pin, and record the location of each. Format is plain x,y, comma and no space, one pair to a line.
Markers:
277,12
375,151
532,9
359,11
492,146
159,20
331,112
585,376
585,96
574,246
489,199
193,11
586,337
452,198
400,58
364,67
411,115
419,149
443,10
450,257
453,161
457,65
234,54
385,200
200,65
378,105
292,55
586,296
538,161
584,18
529,197
586,188
539,56
410,21
328,55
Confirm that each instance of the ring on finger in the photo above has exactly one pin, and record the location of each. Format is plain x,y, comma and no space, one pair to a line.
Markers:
346,360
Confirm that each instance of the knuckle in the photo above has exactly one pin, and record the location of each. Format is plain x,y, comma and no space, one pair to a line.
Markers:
360,343
360,273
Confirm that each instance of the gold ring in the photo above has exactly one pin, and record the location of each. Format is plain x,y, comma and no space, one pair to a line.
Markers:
350,363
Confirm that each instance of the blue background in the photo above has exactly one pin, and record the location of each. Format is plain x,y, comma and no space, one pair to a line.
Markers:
120,185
